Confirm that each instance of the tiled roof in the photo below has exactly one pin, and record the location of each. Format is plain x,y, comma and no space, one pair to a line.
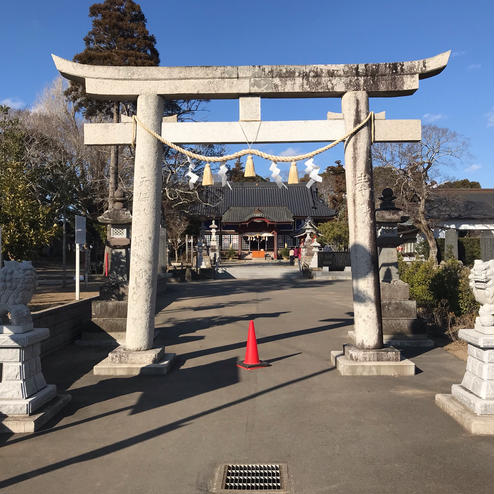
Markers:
298,199
236,214
473,204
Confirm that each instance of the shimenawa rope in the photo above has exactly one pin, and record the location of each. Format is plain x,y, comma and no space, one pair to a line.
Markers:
257,152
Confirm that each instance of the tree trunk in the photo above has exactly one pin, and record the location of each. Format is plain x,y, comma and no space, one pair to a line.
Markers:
176,254
427,232
113,185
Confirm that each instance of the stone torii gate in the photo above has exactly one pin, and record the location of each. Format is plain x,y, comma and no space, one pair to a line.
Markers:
150,86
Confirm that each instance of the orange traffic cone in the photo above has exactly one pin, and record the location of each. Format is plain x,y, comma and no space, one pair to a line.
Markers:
251,360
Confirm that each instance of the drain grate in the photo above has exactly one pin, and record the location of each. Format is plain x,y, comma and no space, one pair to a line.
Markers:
254,477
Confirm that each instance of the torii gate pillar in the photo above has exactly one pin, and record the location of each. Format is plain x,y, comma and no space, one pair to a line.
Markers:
146,215
361,222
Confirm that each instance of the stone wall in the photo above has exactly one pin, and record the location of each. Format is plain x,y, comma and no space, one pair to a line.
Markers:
65,323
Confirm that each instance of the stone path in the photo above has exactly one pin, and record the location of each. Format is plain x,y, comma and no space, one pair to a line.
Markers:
258,270
371,435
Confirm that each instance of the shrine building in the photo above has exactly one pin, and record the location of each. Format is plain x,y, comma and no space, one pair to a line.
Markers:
256,219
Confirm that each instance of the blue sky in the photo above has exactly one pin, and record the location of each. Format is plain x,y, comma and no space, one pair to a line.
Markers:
214,32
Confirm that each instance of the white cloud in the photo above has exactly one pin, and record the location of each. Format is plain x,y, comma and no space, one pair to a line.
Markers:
490,118
290,151
14,103
473,168
432,117
474,66
458,53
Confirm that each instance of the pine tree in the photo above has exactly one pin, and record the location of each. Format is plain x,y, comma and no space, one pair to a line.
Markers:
118,37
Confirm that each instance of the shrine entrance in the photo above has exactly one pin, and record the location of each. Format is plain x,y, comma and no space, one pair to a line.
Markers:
356,126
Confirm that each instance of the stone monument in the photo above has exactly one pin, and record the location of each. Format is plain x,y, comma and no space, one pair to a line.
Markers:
401,328
471,403
26,401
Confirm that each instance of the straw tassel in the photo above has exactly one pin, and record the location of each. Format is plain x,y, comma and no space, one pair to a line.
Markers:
207,176
293,174
249,167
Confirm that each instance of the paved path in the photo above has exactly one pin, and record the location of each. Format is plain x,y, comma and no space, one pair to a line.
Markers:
258,270
352,435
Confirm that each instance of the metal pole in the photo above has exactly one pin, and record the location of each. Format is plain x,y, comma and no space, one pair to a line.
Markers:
64,251
86,267
77,271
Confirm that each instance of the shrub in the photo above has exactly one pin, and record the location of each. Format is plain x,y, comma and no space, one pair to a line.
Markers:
418,274
469,250
443,291
284,252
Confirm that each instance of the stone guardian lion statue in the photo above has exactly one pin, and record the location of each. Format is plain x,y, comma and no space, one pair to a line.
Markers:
17,285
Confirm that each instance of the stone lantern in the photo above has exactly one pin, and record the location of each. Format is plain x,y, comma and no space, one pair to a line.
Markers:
401,328
118,240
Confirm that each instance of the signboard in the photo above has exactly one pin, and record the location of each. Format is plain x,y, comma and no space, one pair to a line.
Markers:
80,230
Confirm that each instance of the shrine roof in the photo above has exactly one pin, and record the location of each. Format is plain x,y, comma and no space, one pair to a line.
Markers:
242,214
474,204
297,199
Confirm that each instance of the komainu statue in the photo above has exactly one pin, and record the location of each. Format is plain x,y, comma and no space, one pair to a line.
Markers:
17,285
482,285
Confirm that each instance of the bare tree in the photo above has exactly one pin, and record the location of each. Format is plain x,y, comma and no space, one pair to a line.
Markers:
419,167
176,225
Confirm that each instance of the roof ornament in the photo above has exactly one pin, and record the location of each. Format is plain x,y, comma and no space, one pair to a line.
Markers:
313,171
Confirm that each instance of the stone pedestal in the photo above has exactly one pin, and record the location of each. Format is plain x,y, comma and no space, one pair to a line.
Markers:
123,362
26,401
471,403
401,328
386,361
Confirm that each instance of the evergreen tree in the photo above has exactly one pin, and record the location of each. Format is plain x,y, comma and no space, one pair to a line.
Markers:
118,37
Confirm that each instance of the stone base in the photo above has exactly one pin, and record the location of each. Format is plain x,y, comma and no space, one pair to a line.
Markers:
27,406
475,424
385,354
122,362
32,423
478,405
401,340
347,367
408,341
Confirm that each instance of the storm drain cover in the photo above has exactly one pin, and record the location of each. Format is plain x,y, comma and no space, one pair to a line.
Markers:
254,478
